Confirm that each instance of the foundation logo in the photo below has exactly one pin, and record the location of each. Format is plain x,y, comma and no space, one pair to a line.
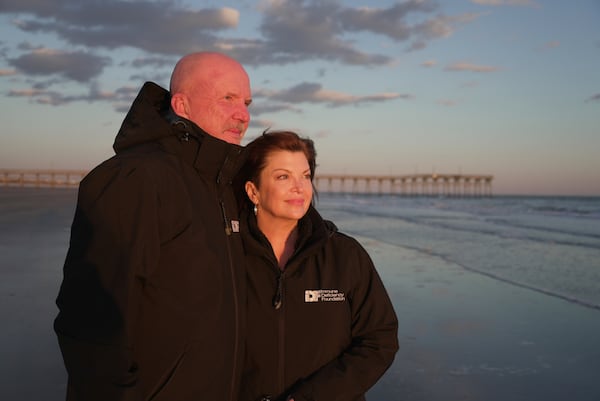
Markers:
324,296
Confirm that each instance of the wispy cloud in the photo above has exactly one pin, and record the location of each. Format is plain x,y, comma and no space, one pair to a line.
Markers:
593,98
527,3
466,66
309,92
447,102
552,44
123,96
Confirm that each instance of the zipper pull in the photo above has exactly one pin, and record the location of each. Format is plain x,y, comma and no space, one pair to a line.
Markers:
228,229
278,298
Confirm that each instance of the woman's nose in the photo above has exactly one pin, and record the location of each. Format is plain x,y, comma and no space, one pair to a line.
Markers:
298,184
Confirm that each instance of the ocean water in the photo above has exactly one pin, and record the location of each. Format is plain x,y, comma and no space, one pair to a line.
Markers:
546,244
498,299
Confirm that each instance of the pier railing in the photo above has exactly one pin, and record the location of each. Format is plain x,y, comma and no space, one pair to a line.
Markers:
41,178
452,185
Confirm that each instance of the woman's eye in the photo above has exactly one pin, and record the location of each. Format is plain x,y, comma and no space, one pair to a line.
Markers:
282,177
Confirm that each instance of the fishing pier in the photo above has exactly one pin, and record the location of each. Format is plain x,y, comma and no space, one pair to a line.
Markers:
41,178
447,185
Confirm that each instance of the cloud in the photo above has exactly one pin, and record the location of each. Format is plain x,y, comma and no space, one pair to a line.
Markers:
529,3
391,22
593,98
470,84
258,124
6,72
124,95
155,62
309,92
465,66
259,108
289,31
79,66
154,26
297,30
447,102
429,63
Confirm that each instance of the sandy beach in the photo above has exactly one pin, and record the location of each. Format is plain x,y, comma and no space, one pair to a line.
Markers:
463,336
33,238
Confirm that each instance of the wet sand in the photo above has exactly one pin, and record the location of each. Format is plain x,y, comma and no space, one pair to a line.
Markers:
33,239
463,336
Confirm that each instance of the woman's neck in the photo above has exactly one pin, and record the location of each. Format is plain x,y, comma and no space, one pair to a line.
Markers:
282,236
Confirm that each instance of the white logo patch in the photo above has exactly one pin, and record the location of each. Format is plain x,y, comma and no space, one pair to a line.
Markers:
235,226
324,296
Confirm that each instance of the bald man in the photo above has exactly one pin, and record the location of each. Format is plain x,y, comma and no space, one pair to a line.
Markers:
151,305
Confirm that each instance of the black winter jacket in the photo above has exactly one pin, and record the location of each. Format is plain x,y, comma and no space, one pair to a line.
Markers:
324,328
152,304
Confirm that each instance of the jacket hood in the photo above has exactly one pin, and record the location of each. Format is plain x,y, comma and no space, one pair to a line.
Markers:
147,119
151,119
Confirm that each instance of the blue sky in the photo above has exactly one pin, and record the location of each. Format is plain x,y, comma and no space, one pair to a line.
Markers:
503,87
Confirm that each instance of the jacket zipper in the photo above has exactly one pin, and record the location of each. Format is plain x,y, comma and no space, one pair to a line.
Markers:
228,231
278,305
235,303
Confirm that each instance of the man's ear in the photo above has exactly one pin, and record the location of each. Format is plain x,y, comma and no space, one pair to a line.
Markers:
179,105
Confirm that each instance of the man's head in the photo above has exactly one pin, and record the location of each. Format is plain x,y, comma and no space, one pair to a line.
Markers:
213,91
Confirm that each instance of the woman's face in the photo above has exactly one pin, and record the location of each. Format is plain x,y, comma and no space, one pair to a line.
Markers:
285,191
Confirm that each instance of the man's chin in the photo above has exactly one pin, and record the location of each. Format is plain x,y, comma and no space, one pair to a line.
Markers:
233,137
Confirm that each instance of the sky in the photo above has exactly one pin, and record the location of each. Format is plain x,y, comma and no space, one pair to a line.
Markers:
509,88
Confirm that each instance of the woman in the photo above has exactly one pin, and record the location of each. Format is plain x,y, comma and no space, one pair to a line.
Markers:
321,325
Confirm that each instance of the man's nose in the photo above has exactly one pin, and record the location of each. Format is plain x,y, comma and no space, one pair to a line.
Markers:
242,114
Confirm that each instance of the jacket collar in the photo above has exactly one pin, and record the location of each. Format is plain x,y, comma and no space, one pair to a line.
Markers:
151,120
313,232
209,155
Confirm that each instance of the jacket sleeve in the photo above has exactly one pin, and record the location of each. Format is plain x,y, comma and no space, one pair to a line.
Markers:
374,337
114,241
